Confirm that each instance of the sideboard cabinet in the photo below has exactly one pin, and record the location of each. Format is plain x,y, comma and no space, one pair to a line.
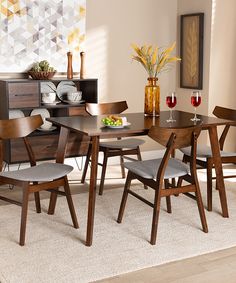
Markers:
25,95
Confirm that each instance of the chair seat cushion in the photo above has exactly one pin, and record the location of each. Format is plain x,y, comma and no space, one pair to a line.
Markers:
123,143
40,173
148,168
204,151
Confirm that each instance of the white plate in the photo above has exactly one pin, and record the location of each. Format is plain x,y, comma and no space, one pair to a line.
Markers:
74,102
47,130
44,114
53,103
64,87
42,111
13,114
47,87
118,127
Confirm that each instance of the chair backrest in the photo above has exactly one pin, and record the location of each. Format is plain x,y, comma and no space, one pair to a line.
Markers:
173,139
182,137
19,127
95,109
225,113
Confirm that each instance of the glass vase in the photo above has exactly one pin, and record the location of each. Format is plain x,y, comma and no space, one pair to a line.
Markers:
152,98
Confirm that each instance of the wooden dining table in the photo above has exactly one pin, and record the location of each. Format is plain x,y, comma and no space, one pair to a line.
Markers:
139,125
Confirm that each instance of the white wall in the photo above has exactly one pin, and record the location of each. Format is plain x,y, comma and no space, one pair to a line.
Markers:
111,27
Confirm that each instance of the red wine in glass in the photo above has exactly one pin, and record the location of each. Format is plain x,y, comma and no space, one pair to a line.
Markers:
171,101
196,100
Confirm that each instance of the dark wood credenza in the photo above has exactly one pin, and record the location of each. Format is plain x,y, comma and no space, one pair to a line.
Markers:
25,95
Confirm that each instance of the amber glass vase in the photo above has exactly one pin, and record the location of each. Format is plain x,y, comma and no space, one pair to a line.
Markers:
152,98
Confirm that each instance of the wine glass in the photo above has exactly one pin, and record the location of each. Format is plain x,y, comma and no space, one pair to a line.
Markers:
195,101
171,101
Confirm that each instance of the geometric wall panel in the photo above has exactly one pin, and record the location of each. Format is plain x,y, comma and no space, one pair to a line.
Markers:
35,30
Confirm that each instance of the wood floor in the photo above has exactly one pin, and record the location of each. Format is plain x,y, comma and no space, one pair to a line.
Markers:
217,267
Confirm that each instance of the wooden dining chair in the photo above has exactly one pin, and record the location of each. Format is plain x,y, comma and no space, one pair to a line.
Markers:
204,154
119,147
46,176
156,174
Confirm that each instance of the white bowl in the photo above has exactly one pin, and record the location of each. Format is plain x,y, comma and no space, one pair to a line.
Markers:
49,97
46,125
74,96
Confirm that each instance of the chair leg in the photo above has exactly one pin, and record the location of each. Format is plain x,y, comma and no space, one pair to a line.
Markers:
209,185
37,202
24,212
52,203
155,217
124,198
86,164
201,208
140,159
70,203
168,199
122,166
104,167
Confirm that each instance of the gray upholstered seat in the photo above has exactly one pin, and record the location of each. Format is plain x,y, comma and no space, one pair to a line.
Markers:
40,173
148,168
123,143
204,151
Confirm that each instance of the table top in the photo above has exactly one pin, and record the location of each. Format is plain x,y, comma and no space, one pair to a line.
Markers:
139,124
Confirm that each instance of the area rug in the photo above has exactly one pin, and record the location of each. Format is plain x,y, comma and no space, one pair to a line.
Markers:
55,251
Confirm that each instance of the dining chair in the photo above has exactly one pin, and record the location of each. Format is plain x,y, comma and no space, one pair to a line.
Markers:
119,147
156,173
45,176
204,154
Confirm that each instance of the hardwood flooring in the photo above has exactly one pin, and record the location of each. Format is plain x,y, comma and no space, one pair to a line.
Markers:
217,267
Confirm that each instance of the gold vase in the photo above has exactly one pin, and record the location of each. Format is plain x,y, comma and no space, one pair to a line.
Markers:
152,98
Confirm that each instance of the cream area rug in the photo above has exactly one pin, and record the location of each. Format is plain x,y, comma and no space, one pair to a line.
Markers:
55,251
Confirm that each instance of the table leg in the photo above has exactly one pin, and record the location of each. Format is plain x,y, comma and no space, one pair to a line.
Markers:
61,152
218,169
92,190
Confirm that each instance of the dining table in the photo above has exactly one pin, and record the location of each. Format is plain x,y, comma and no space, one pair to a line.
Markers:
139,125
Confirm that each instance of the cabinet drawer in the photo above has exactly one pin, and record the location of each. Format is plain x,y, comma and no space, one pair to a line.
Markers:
23,95
45,147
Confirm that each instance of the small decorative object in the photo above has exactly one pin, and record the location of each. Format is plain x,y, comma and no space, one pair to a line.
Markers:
154,60
69,66
82,68
42,71
152,98
191,50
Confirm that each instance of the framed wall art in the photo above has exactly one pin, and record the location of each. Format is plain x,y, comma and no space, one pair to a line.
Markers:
40,30
191,51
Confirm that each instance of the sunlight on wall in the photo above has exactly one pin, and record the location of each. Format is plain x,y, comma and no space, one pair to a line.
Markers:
96,58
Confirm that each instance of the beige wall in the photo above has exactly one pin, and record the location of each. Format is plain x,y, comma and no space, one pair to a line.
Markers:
111,27
223,60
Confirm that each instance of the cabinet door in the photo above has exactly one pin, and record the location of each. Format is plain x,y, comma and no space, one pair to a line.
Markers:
23,95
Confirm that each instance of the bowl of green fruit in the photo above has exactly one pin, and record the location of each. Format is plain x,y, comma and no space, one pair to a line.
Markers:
42,71
115,122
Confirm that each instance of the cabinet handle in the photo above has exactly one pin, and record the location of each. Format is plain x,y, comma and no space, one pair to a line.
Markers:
25,94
